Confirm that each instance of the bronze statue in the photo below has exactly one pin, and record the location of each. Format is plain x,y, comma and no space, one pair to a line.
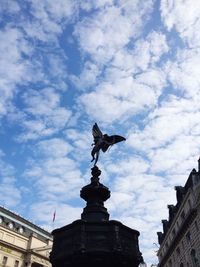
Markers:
102,142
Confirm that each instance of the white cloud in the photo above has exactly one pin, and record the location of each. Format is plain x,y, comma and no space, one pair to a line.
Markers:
128,165
172,158
88,76
158,45
119,202
184,72
57,71
184,17
54,171
124,97
94,4
11,7
19,63
49,18
45,100
140,189
162,128
101,37
169,141
46,10
145,54
125,90
10,195
110,29
59,178
13,68
46,115
81,141
54,147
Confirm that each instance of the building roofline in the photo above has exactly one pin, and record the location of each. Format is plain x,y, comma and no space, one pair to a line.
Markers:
24,222
181,192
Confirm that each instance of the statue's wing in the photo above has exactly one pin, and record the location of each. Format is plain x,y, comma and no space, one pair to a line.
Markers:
111,140
96,132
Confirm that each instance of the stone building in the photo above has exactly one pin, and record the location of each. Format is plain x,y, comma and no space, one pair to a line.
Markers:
180,239
22,243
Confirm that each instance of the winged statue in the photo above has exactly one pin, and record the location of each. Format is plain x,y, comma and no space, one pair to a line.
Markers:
102,142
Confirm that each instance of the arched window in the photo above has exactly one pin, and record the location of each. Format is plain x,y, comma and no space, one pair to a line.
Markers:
21,230
195,262
11,225
181,265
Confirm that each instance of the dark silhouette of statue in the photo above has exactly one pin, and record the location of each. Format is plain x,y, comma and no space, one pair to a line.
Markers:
94,240
102,142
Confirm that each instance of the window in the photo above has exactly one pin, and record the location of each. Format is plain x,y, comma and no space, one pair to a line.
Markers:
188,237
196,225
178,251
4,261
181,265
189,204
173,232
10,225
183,215
21,230
16,264
195,262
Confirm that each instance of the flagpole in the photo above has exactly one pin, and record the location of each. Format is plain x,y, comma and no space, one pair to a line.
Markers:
53,219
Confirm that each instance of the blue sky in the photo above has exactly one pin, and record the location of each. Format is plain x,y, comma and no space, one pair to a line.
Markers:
131,66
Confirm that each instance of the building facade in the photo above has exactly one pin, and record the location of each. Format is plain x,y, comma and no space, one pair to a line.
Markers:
22,243
180,239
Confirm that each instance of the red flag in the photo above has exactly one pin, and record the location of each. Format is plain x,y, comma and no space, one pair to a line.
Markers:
54,215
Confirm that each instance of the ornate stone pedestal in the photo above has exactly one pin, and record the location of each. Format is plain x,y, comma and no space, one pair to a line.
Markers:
95,241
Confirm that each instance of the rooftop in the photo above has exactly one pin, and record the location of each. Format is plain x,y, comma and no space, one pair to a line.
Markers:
17,223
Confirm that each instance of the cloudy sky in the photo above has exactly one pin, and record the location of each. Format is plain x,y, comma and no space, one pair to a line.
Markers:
131,66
